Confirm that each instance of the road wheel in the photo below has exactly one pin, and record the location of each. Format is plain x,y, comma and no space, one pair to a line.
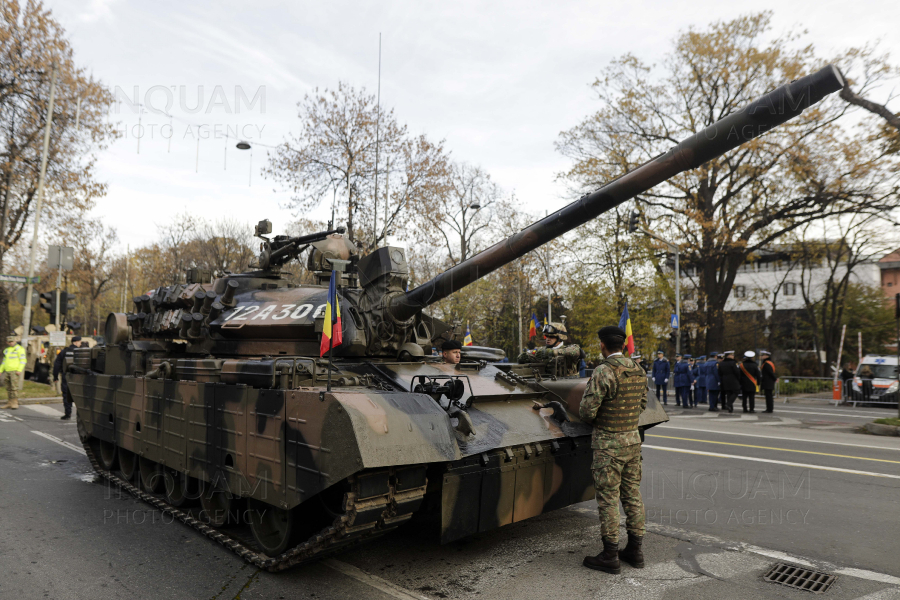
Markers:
179,488
217,504
107,455
151,475
273,528
127,464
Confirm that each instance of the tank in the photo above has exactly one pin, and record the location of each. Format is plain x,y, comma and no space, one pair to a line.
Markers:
210,400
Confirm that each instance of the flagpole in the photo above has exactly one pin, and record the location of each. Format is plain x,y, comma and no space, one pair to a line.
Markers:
330,348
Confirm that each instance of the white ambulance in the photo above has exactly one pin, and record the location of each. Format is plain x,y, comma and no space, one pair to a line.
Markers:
875,380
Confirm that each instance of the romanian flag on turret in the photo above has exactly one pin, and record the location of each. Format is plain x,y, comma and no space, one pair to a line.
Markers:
332,333
532,329
467,341
625,324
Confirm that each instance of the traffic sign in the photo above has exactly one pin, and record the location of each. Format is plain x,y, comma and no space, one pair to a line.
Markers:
674,322
60,257
22,294
19,279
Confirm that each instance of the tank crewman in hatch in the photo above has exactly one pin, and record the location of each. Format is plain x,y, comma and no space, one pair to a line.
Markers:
13,364
452,352
562,358
613,402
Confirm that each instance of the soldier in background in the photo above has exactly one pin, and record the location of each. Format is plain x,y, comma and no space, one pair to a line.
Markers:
681,375
699,375
713,382
562,359
750,377
767,383
451,351
59,370
613,401
730,377
13,364
661,375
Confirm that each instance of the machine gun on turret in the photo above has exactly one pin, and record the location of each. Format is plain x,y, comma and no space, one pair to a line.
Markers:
283,248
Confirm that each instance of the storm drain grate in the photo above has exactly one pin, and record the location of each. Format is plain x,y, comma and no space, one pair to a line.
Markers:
800,578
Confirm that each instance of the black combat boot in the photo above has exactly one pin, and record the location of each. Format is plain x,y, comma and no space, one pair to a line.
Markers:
607,561
632,554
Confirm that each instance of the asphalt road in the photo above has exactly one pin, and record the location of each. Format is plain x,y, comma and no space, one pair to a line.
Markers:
722,508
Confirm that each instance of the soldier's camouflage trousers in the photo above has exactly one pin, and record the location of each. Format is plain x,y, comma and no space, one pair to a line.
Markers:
11,379
618,472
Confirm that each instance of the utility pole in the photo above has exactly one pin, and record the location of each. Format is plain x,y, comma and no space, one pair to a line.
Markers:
125,289
519,306
59,258
674,249
26,315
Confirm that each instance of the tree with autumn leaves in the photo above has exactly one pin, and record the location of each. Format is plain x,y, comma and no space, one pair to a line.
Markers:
819,166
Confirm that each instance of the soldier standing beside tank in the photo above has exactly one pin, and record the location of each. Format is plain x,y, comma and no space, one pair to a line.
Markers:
613,402
563,359
13,364
713,383
59,370
661,376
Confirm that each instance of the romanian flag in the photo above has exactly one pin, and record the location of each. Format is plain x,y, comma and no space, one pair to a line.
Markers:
532,329
625,324
332,333
545,319
467,341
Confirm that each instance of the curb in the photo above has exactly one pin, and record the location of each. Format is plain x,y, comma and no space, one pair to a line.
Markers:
879,429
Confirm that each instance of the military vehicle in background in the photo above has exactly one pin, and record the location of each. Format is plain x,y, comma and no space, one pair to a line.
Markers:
214,389
40,354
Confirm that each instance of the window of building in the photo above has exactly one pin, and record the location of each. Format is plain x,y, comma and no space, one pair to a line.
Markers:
790,289
740,291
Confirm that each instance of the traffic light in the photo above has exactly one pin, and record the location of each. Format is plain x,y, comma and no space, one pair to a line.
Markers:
633,221
66,304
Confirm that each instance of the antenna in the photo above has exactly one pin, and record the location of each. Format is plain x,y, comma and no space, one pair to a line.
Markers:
377,140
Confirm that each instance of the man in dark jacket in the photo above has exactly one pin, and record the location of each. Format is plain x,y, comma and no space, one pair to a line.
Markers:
750,377
699,375
712,381
730,378
661,375
767,383
681,374
59,370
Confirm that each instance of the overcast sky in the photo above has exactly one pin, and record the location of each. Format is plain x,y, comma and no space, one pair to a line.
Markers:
497,80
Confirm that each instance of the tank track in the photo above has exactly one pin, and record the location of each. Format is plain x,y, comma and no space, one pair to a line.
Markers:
362,520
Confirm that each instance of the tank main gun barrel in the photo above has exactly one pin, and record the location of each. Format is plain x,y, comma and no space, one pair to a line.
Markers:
771,110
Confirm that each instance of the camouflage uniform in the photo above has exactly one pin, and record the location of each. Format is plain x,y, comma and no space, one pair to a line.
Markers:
614,398
561,361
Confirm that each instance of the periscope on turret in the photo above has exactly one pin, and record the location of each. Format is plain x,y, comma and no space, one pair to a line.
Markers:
213,389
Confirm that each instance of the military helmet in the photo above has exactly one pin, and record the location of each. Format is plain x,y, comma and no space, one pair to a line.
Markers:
555,330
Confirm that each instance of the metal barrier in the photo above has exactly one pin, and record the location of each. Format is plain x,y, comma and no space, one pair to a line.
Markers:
813,388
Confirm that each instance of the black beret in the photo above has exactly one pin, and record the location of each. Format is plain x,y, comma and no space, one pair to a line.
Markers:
451,345
612,333
77,338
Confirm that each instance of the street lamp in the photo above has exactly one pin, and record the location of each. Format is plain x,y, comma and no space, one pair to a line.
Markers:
674,249
242,145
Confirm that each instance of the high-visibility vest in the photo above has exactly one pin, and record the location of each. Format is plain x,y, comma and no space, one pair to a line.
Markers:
13,359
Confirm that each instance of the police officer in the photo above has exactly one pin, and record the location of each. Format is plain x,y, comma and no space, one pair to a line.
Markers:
564,359
713,383
661,375
699,375
13,364
451,351
613,401
59,370
682,376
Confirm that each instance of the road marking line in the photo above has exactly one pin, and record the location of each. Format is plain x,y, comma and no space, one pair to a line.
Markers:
776,462
378,583
53,438
671,437
5,416
858,415
44,410
769,437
